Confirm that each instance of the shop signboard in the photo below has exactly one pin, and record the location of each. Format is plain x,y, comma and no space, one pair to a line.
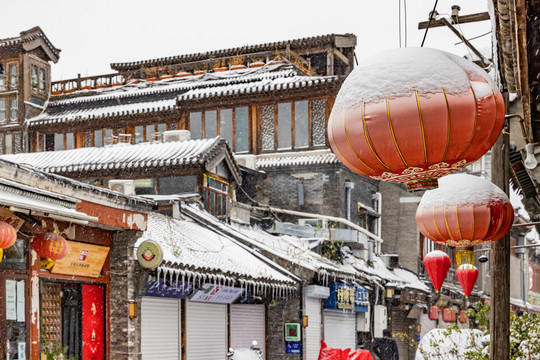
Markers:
293,347
214,293
163,288
10,218
149,254
347,297
82,260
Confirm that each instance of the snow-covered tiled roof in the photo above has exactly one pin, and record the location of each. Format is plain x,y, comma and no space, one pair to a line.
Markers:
121,156
164,95
314,41
28,36
194,252
315,157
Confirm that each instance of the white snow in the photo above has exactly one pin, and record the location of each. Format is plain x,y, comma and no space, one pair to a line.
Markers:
401,72
463,189
449,344
436,253
517,204
467,267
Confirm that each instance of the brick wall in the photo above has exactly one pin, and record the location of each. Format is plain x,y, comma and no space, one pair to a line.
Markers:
125,274
282,312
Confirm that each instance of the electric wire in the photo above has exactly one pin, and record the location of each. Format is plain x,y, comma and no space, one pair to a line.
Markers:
405,20
429,22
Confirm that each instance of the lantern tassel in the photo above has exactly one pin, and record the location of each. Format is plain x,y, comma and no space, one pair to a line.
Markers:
464,256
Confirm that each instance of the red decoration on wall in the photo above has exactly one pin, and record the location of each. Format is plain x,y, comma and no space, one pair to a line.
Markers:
93,323
414,137
434,313
437,264
449,314
50,245
467,275
463,316
8,235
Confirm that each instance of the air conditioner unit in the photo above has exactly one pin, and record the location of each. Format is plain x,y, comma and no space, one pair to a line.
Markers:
248,160
126,187
380,321
316,291
176,135
363,321
321,223
390,260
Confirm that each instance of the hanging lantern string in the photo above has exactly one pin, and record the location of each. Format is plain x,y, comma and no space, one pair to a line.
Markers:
431,15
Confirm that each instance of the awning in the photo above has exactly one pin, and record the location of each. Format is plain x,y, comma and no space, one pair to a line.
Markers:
195,253
39,204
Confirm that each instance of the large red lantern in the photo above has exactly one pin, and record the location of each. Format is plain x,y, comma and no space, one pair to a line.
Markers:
464,211
437,264
8,235
467,275
413,115
50,245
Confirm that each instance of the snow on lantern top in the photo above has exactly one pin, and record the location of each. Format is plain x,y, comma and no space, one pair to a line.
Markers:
436,253
413,115
463,189
400,72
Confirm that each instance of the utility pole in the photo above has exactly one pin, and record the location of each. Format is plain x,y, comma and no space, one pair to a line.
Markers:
500,260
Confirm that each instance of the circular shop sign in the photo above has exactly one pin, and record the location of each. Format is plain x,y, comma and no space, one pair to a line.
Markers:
149,254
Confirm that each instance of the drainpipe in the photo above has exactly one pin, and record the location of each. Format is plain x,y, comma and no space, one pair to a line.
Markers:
348,189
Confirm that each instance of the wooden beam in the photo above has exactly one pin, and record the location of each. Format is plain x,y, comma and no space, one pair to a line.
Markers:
329,62
500,260
341,57
484,61
461,20
523,66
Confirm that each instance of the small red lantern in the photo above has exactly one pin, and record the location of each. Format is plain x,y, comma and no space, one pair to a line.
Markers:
8,235
464,211
413,115
50,245
437,264
434,313
467,275
463,316
449,314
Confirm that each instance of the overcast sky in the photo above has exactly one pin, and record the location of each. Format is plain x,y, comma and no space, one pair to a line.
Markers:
94,33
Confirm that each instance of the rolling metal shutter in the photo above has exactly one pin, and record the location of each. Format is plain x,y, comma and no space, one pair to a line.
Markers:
160,328
340,329
400,325
206,331
248,323
313,331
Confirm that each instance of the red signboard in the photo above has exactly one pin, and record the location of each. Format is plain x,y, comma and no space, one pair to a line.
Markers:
449,315
434,313
93,331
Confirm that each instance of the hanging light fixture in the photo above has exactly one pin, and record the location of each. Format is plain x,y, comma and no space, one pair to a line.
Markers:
413,115
437,264
8,236
467,275
530,161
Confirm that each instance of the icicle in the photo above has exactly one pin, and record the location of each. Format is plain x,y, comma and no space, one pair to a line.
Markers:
171,272
177,272
189,276
158,273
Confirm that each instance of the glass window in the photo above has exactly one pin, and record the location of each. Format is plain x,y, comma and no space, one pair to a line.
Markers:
41,80
318,123
2,78
226,125
301,123
2,110
161,128
14,257
58,142
195,125
34,77
150,131
284,126
139,134
108,136
242,129
145,186
15,322
98,138
13,109
70,141
9,144
210,124
13,76
177,185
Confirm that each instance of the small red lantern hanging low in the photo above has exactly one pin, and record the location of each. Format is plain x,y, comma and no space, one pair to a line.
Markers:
437,264
8,235
464,211
50,245
413,115
467,275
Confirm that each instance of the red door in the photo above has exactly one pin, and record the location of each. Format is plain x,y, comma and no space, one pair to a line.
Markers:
93,317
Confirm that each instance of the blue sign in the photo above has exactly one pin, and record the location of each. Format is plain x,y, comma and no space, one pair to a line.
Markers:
293,347
163,288
347,297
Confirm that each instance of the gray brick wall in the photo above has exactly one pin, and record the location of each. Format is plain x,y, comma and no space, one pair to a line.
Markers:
125,274
282,312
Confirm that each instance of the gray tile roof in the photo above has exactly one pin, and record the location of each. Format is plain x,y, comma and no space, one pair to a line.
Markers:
315,157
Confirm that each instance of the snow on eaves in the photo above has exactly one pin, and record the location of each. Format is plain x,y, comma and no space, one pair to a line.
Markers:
124,156
316,157
195,249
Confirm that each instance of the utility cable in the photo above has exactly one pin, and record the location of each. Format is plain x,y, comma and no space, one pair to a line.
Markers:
429,22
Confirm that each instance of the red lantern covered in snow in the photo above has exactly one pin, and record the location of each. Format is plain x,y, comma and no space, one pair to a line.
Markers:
467,275
437,264
8,235
464,211
50,245
413,115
